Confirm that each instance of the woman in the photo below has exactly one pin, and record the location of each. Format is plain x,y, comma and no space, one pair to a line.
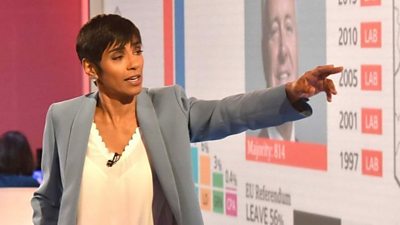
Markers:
16,161
122,155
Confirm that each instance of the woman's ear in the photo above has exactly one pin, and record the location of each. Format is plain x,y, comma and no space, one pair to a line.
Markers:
90,69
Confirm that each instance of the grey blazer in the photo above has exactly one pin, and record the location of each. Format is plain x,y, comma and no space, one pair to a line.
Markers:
168,121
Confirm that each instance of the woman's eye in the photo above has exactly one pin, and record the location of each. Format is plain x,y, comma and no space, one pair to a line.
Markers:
138,52
117,57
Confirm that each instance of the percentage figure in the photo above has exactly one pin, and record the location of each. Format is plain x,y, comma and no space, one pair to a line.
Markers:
276,217
217,164
204,147
230,178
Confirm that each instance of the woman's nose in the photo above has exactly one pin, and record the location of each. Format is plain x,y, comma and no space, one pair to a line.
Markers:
134,61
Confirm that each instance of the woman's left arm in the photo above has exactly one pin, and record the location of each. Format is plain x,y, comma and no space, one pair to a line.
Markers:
216,119
210,120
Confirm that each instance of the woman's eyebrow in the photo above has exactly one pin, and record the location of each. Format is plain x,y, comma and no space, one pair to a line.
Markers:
117,49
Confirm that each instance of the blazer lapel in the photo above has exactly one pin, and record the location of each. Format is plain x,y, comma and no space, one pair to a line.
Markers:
76,152
157,151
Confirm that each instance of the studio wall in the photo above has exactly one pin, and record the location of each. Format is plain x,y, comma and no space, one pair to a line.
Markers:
38,63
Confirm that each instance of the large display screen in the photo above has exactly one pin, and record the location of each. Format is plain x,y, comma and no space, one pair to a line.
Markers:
339,166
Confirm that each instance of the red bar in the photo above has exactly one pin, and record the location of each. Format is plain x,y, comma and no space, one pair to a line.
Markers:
84,19
371,121
370,2
371,35
296,154
371,77
371,162
168,43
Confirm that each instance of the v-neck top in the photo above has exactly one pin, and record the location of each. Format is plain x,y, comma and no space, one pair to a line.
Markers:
121,194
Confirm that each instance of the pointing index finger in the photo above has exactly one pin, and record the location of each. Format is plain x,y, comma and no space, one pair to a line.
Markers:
324,71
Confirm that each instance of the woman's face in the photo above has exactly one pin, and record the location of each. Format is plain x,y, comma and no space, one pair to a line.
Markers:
121,73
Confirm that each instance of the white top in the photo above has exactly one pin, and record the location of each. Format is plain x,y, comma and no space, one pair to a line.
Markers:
121,194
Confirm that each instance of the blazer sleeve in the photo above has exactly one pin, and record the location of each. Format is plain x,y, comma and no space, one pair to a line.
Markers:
46,200
216,119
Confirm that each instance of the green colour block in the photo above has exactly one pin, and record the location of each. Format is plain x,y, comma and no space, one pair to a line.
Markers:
218,202
218,180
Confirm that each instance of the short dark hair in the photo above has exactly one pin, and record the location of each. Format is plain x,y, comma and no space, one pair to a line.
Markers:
15,154
101,32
